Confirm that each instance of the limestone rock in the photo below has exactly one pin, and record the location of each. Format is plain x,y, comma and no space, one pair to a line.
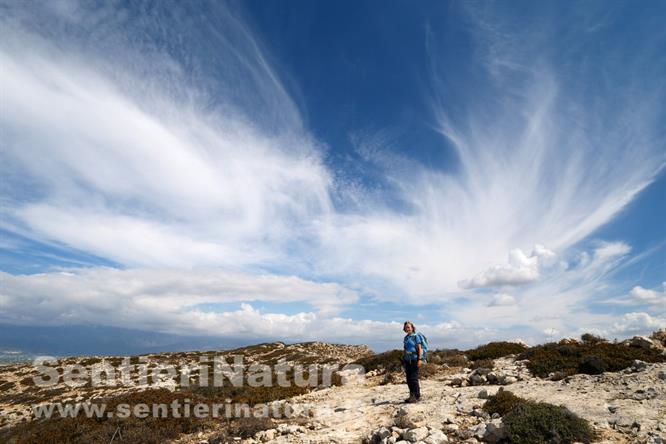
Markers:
436,437
642,342
417,434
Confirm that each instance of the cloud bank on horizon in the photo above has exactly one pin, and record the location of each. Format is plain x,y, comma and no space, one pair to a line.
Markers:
162,170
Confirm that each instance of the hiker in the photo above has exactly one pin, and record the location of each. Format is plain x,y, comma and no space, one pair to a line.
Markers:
415,346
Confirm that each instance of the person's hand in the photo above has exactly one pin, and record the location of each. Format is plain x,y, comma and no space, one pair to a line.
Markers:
418,363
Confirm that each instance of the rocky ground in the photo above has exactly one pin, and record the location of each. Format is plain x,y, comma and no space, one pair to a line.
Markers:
623,407
627,406
18,391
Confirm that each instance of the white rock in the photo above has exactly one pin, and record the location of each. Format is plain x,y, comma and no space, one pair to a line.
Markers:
436,437
494,431
642,342
479,431
416,434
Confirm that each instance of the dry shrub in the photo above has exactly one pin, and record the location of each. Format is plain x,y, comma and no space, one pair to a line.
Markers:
450,357
388,361
81,429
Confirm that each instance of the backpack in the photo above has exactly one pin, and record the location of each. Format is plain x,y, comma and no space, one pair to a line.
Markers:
424,345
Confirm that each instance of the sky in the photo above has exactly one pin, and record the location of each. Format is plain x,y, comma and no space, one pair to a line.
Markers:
327,170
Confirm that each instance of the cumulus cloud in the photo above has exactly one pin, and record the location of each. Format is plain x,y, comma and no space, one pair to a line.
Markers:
652,299
638,323
562,299
642,295
521,269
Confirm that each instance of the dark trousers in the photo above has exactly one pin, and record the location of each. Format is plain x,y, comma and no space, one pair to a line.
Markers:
412,373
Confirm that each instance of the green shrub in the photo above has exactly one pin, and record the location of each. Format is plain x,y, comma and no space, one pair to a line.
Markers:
592,365
536,423
494,350
591,339
502,402
572,358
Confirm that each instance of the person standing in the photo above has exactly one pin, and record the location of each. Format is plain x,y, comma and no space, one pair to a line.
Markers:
412,360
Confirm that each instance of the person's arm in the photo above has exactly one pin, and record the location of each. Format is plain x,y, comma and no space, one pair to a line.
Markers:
419,351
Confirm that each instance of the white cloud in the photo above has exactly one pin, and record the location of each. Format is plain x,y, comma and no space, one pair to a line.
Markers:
131,171
147,159
521,269
161,167
183,302
638,323
560,299
141,295
642,295
501,299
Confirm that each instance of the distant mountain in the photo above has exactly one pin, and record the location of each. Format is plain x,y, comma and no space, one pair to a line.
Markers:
17,341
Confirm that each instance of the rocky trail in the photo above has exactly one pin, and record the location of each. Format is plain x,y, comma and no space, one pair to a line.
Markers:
623,407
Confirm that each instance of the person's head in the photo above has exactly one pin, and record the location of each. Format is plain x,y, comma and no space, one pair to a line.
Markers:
408,327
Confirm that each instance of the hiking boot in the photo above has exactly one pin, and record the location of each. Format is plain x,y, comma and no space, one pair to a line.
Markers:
412,399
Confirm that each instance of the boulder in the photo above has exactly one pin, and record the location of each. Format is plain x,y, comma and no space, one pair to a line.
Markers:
380,434
507,379
479,431
495,432
642,342
659,337
477,379
410,421
417,434
456,382
436,437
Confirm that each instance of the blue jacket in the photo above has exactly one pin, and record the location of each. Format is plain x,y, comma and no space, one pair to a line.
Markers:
410,342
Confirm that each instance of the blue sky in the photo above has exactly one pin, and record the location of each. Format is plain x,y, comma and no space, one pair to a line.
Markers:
326,170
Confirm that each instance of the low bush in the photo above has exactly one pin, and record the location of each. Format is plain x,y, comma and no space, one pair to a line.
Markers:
494,350
450,357
502,402
591,339
81,429
586,357
389,361
540,423
592,365
248,427
428,370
